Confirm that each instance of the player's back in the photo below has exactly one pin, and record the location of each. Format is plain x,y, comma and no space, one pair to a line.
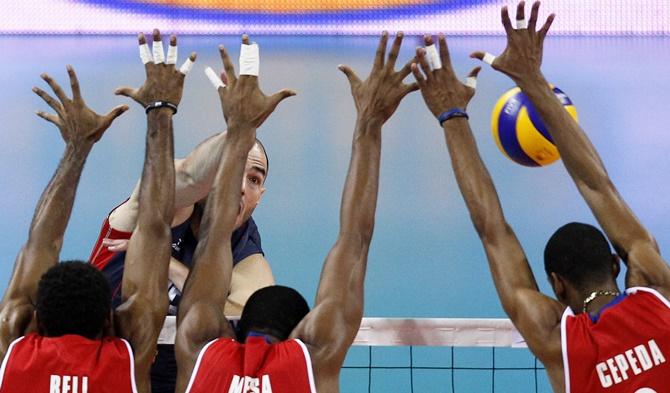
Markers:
224,365
625,350
69,363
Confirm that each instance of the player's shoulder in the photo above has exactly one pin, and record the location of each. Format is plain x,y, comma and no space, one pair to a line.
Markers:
647,294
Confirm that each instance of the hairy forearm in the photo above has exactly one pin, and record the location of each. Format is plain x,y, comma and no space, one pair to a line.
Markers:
195,173
359,198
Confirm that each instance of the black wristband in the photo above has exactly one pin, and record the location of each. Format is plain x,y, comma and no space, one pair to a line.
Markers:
160,104
450,114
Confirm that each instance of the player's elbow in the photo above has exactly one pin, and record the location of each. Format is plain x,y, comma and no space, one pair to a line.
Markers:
355,241
488,226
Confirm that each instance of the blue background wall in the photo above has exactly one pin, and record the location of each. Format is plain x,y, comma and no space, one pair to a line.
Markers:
426,260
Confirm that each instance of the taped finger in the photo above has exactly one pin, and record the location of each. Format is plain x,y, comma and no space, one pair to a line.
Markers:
171,55
145,53
433,57
249,59
159,55
521,24
488,58
471,81
214,78
186,67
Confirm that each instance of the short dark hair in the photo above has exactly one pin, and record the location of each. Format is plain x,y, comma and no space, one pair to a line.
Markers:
275,310
580,253
73,297
267,159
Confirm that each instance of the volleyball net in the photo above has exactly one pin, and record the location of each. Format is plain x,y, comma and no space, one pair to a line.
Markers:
450,355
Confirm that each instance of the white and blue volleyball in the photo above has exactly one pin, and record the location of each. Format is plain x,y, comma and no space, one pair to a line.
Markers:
519,131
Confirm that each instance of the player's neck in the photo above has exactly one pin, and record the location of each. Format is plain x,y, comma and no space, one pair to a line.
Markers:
599,297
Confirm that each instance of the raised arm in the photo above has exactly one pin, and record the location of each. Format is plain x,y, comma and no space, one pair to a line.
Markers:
329,329
201,311
80,128
535,315
521,61
194,175
144,287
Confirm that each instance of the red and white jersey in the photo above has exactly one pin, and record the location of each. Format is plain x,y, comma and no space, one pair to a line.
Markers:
625,351
68,364
226,366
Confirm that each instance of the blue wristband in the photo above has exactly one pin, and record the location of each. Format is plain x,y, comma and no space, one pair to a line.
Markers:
451,113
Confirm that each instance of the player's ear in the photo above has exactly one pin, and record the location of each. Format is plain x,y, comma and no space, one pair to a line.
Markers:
557,285
616,265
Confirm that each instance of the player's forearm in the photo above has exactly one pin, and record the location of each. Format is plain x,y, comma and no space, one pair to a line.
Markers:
156,200
359,198
195,173
507,262
54,208
156,196
224,200
578,154
473,178
585,167
213,254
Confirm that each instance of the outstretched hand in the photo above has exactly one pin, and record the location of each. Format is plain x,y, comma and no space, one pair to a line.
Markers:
164,82
378,96
523,55
440,88
77,123
243,103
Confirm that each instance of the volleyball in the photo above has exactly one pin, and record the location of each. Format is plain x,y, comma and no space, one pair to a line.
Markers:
519,131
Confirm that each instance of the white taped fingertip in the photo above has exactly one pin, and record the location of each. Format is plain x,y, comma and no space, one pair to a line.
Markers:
249,59
488,58
171,55
214,78
159,54
433,57
145,53
521,24
471,81
186,67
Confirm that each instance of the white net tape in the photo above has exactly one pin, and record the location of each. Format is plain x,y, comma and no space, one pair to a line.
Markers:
451,332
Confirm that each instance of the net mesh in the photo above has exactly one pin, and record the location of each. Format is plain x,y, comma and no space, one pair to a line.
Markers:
435,355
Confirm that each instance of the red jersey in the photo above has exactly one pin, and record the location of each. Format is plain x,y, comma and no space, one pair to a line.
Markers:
226,366
70,363
100,256
625,351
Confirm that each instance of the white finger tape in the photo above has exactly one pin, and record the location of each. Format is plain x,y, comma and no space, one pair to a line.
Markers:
186,67
172,55
157,48
488,58
249,59
471,81
145,53
521,24
214,78
433,57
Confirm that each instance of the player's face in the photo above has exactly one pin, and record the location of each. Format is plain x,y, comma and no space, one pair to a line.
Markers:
252,184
